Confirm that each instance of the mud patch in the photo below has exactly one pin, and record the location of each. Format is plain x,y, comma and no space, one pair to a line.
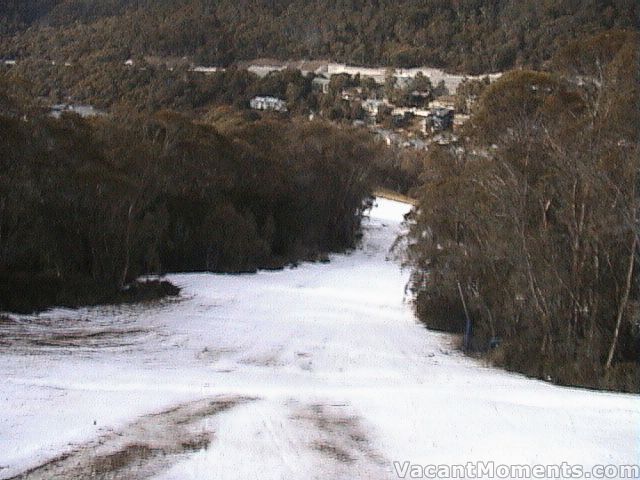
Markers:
144,448
42,335
97,339
332,451
340,437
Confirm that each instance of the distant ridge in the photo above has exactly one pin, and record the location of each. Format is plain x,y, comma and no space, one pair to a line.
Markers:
468,36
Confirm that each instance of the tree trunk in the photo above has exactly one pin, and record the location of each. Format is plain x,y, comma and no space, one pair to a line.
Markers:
623,301
467,329
127,249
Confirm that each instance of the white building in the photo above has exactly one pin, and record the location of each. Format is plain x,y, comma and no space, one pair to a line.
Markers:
320,84
268,103
85,111
372,106
206,70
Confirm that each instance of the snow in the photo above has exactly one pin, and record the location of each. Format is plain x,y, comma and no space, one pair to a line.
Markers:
379,74
335,376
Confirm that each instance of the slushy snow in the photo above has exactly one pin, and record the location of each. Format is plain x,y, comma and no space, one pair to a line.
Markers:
325,369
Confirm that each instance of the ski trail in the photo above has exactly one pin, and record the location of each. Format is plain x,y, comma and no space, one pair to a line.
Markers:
328,371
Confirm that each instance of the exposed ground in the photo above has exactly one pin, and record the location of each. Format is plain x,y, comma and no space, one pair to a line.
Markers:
149,445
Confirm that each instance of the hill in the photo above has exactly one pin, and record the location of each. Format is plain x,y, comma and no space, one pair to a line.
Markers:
470,36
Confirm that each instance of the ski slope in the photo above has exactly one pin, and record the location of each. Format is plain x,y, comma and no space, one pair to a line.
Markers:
314,372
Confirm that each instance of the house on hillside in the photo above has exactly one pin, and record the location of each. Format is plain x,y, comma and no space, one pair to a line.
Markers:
85,111
320,84
372,106
402,120
206,70
268,103
439,119
419,99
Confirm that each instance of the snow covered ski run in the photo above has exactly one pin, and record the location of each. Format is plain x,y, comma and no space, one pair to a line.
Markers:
314,372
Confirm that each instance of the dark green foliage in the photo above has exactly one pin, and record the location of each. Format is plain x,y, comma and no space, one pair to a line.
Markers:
28,292
99,202
465,35
147,87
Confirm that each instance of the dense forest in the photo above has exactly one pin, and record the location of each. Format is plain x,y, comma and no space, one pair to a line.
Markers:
470,36
88,205
528,229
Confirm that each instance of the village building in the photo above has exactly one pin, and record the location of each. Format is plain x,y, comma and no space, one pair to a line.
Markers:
206,70
438,120
320,84
419,99
372,106
460,120
85,111
415,143
268,103
402,120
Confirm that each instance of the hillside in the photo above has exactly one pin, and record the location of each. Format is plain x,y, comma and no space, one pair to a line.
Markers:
469,36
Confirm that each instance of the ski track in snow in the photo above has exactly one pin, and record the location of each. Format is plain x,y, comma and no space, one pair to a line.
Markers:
319,371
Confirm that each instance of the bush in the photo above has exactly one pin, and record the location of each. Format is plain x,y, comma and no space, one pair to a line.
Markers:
535,215
27,293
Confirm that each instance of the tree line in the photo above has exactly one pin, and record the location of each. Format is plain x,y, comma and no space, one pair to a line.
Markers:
88,205
528,230
470,36
217,97
149,87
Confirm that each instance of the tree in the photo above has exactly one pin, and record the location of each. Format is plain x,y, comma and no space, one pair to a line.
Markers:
535,217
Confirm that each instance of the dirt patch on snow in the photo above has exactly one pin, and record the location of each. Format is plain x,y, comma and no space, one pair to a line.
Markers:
339,435
144,448
64,335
